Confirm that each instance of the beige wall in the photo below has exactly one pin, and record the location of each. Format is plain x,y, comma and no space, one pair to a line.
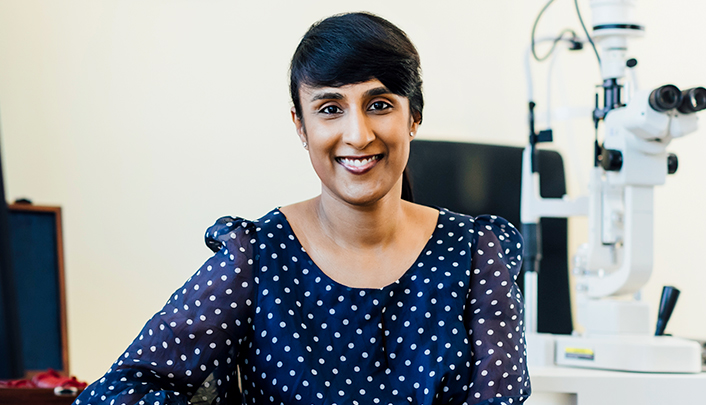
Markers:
147,120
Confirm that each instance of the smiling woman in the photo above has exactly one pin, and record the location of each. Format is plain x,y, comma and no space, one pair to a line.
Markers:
356,296
358,139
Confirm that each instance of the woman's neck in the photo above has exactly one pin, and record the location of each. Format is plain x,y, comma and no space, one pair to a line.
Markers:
355,226
366,246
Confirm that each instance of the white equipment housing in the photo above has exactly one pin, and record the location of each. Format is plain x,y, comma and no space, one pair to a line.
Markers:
617,260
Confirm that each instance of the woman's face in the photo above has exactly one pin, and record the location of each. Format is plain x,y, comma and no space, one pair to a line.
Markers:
358,139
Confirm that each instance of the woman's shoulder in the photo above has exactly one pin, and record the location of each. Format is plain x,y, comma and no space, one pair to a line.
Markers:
228,228
494,239
483,226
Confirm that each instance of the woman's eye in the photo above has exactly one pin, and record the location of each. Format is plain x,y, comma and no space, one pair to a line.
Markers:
331,109
379,105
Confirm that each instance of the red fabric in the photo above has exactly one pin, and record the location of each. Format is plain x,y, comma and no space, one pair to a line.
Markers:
16,384
48,379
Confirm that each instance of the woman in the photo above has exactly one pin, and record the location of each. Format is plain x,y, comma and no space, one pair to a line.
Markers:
357,296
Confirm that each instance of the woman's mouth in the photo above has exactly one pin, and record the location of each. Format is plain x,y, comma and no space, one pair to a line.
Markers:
358,164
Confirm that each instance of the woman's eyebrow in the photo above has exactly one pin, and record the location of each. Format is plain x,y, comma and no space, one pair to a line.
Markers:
332,95
377,91
327,96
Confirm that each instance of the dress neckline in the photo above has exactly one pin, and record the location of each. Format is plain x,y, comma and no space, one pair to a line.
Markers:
324,276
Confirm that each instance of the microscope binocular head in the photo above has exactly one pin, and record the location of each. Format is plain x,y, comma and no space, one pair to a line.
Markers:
669,97
693,100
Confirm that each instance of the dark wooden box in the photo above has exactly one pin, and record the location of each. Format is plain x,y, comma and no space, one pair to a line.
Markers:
38,265
38,269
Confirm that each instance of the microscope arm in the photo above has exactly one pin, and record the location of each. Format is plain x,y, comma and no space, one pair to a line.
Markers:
534,207
631,265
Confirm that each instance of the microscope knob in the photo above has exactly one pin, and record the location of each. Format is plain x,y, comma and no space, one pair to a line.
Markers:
611,160
666,306
672,163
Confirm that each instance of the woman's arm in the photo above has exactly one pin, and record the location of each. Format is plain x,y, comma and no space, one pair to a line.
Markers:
494,315
190,348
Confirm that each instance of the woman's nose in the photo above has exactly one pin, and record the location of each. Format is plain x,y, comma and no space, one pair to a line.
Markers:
358,132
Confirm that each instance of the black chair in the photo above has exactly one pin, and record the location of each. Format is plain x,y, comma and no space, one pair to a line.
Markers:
480,179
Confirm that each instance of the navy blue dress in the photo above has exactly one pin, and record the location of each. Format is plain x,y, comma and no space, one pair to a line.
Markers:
260,323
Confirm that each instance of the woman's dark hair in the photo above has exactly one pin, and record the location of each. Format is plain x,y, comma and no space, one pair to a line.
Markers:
354,48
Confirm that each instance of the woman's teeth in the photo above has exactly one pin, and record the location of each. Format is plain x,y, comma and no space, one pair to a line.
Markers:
358,162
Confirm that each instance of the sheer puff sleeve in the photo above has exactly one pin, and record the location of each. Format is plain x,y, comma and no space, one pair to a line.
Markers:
187,352
494,315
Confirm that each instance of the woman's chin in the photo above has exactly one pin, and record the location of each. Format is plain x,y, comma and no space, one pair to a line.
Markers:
363,196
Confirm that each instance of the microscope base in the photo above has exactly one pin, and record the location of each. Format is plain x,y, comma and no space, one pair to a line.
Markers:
540,349
636,353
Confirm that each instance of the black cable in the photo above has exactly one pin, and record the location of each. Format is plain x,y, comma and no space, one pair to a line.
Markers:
11,360
534,28
555,41
578,12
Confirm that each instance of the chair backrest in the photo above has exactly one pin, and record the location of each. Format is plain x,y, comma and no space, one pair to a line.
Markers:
480,179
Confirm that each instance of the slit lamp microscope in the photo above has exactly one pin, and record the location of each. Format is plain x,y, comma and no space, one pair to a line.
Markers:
617,259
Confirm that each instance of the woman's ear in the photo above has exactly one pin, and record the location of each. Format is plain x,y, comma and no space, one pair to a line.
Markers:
414,126
299,125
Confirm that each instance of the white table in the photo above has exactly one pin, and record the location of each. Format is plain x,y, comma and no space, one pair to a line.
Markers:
574,386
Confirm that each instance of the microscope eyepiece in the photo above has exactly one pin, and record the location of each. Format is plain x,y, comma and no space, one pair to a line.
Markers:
693,100
665,98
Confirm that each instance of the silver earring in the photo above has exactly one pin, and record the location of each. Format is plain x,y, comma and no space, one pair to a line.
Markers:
411,134
305,145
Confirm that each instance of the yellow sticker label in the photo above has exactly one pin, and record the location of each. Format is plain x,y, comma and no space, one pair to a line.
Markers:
579,353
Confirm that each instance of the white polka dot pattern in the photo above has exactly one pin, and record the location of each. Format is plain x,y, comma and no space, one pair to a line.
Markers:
449,330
